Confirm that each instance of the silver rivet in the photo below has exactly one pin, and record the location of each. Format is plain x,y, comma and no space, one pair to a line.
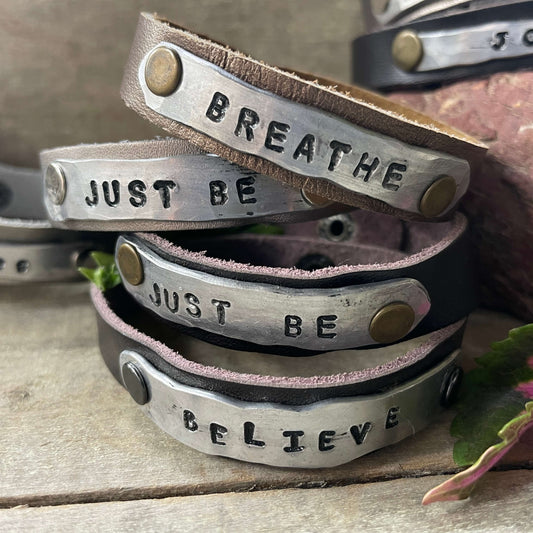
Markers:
55,183
450,386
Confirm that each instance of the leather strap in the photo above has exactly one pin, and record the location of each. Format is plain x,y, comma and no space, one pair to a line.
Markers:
164,185
123,325
248,283
342,143
21,193
401,12
468,44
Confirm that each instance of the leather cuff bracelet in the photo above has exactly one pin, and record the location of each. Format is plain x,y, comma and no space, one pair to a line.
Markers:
290,421
340,143
444,49
373,295
401,12
162,185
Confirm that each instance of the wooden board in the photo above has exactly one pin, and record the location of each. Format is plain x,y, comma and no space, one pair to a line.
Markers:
501,503
71,434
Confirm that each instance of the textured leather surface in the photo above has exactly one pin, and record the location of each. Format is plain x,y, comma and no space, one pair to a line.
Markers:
123,325
154,149
358,106
437,255
374,67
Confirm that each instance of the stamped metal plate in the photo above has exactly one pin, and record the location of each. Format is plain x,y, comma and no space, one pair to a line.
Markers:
324,434
299,138
475,44
185,189
313,319
39,262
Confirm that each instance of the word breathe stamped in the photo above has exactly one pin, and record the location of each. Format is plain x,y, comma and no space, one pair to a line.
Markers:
163,185
356,149
296,312
484,39
307,422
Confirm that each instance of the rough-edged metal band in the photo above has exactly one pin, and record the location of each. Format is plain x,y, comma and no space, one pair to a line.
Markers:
21,193
463,45
380,167
40,262
401,12
179,192
323,434
310,319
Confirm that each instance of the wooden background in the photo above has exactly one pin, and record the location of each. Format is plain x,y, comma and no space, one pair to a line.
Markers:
75,452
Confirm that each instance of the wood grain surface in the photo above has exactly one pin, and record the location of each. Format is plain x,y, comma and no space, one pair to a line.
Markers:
70,434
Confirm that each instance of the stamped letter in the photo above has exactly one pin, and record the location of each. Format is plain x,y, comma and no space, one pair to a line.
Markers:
292,326
367,169
276,132
221,311
164,187
324,439
244,188
193,309
249,429
307,147
91,202
218,192
115,185
325,322
248,120
339,149
217,432
393,175
136,188
294,445
359,432
392,417
189,420
217,108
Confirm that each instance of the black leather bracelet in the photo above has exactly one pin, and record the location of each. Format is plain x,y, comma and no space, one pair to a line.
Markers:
293,415
443,49
296,295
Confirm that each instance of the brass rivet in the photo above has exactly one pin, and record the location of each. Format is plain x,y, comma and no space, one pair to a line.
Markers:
315,200
407,50
438,196
163,71
130,264
55,183
392,322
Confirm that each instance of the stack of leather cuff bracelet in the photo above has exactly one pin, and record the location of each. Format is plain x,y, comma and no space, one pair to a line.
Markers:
417,43
328,338
30,249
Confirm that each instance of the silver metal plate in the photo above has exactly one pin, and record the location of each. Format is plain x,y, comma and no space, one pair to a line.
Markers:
477,44
21,193
39,262
215,103
324,434
313,319
185,188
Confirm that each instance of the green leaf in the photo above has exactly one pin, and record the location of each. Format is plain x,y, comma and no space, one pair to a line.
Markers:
105,276
488,398
461,485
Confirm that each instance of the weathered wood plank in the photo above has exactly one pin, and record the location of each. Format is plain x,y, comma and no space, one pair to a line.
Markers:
62,62
501,503
71,434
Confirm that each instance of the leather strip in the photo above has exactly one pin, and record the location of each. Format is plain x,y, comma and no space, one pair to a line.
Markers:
124,325
325,434
421,142
500,39
166,185
248,283
21,193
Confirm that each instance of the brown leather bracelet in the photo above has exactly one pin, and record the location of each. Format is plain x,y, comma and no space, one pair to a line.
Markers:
340,143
